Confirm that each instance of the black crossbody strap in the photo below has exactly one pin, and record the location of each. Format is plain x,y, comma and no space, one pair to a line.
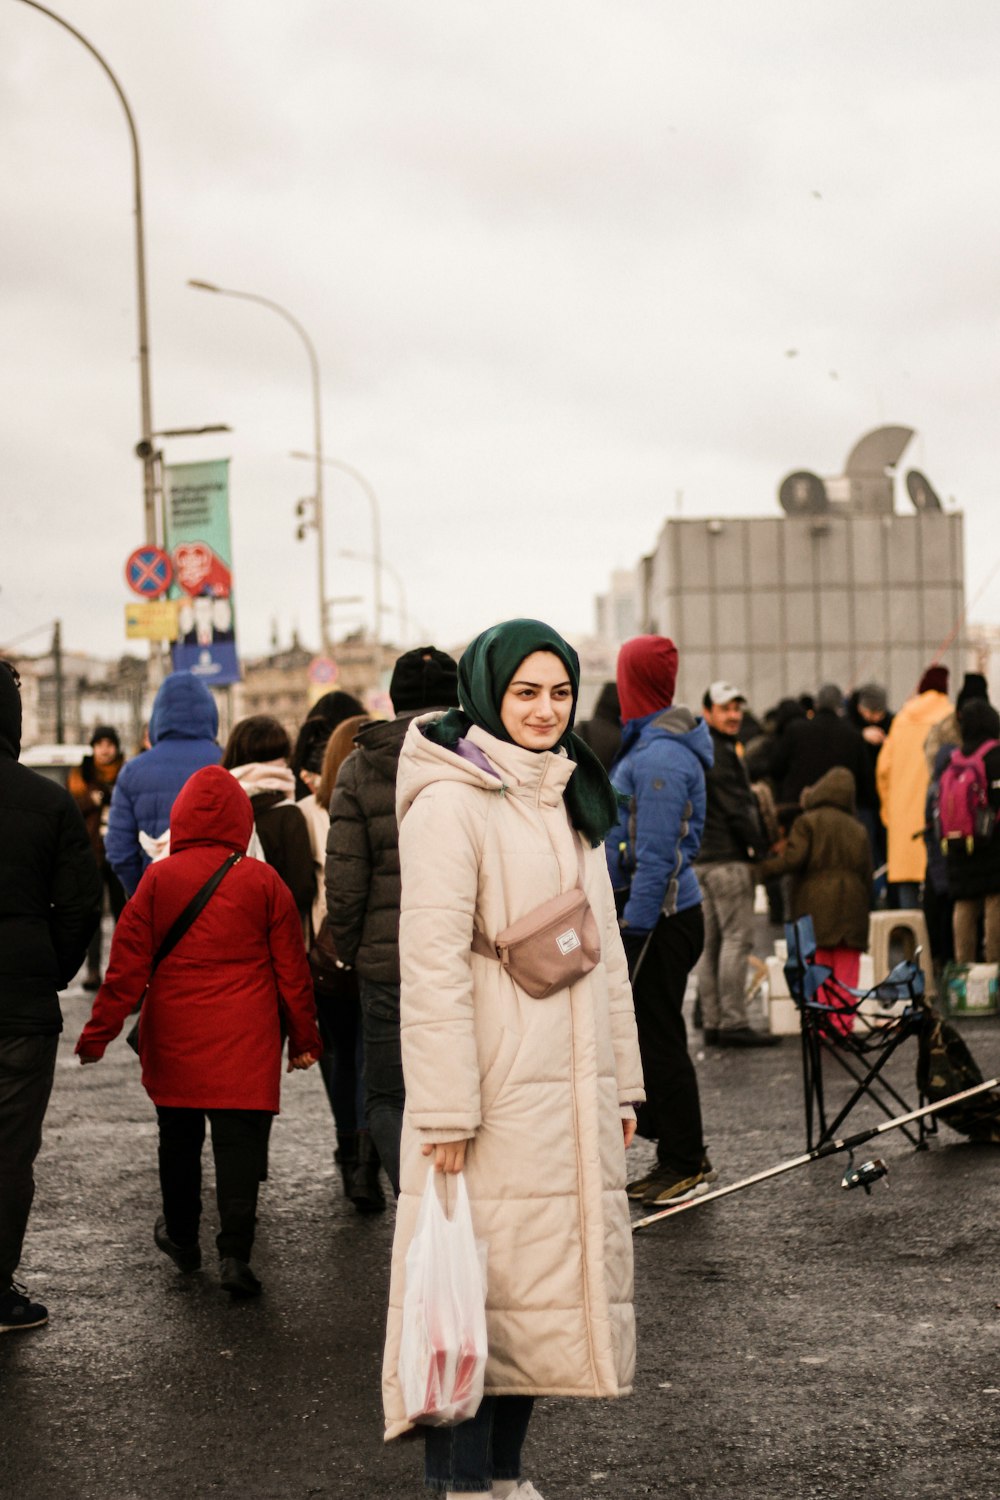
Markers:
196,905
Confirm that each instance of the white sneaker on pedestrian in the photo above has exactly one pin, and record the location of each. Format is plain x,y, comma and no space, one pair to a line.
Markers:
526,1491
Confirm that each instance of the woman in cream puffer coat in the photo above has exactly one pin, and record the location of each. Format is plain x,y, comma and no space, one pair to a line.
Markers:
534,1098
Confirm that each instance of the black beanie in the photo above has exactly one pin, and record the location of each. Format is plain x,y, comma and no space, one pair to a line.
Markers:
979,721
10,708
424,678
974,685
105,732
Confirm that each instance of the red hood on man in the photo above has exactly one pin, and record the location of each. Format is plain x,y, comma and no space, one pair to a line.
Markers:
211,808
646,675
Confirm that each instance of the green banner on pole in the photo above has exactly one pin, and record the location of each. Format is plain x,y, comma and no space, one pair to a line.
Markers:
197,537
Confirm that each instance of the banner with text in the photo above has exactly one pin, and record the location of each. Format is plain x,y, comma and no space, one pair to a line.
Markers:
196,532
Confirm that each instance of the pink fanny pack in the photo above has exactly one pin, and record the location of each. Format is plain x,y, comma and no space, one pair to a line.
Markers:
551,947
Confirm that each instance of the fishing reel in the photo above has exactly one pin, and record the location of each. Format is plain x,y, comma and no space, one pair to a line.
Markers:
864,1175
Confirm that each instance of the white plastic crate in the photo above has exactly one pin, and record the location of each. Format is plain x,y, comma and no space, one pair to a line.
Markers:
784,1016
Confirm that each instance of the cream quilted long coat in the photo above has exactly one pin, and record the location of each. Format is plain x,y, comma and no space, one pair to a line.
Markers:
539,1086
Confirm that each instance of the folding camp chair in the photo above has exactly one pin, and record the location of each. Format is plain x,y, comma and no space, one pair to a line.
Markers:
859,1029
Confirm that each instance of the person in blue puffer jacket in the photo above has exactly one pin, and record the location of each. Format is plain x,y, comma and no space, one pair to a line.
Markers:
182,732
660,775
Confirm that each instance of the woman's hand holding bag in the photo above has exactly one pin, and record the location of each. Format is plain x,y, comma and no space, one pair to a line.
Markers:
442,1352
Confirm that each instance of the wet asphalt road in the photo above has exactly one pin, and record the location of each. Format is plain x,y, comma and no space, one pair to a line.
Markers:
796,1342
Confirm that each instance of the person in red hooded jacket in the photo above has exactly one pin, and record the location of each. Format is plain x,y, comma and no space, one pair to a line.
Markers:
210,1031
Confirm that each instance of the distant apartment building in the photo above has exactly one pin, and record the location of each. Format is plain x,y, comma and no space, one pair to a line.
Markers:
66,694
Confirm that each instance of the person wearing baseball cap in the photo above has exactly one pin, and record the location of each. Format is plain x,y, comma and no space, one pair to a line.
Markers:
721,692
733,837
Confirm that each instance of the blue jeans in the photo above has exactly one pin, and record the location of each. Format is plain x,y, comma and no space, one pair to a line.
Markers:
488,1446
384,1091
904,895
873,826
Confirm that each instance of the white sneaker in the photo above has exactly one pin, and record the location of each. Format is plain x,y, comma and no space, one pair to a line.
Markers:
526,1491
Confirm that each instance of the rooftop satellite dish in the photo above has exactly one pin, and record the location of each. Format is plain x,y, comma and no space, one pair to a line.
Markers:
877,451
803,494
921,491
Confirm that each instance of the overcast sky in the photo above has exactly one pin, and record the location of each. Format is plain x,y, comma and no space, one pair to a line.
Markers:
553,255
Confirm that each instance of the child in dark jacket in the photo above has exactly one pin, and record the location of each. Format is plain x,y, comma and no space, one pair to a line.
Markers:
210,1032
828,856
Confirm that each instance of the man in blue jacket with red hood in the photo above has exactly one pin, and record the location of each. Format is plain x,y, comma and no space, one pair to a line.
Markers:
182,731
660,771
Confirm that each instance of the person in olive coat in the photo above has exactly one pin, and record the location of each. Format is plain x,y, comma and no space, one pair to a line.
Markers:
828,856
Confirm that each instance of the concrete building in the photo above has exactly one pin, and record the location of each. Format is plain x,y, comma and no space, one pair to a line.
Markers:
779,606
840,588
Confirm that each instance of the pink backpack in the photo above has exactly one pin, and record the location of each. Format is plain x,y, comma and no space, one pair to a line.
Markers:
964,807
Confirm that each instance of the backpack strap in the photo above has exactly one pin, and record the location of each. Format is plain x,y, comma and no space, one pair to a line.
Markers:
194,907
481,943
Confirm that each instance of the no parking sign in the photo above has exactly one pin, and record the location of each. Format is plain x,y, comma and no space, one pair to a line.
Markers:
148,572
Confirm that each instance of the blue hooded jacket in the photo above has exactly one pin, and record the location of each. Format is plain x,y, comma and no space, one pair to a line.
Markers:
183,729
661,771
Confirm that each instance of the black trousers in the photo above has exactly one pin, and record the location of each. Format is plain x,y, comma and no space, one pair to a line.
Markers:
27,1067
239,1145
116,899
671,1115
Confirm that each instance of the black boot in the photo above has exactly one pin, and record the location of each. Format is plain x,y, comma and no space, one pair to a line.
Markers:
365,1191
346,1158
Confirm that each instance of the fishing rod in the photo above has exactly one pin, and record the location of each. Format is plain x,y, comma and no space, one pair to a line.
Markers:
863,1176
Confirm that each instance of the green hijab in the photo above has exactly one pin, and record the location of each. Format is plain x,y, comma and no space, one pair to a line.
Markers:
485,671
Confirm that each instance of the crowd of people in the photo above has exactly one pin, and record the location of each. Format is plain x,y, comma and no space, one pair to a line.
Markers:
344,901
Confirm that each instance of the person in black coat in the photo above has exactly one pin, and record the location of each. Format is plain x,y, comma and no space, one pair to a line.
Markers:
363,886
974,875
603,731
868,713
809,748
50,902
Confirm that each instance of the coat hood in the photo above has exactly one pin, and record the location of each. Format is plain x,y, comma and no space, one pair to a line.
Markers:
835,789
423,762
680,725
211,808
184,709
646,675
380,744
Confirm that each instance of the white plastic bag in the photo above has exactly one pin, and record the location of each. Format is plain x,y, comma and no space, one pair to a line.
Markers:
442,1351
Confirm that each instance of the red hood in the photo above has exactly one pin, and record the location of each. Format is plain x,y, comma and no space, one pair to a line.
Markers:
647,673
211,808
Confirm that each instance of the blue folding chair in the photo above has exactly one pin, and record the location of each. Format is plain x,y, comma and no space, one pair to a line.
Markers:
863,1047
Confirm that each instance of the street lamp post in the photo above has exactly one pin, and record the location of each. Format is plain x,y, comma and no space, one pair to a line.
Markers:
402,611
356,474
144,448
318,516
